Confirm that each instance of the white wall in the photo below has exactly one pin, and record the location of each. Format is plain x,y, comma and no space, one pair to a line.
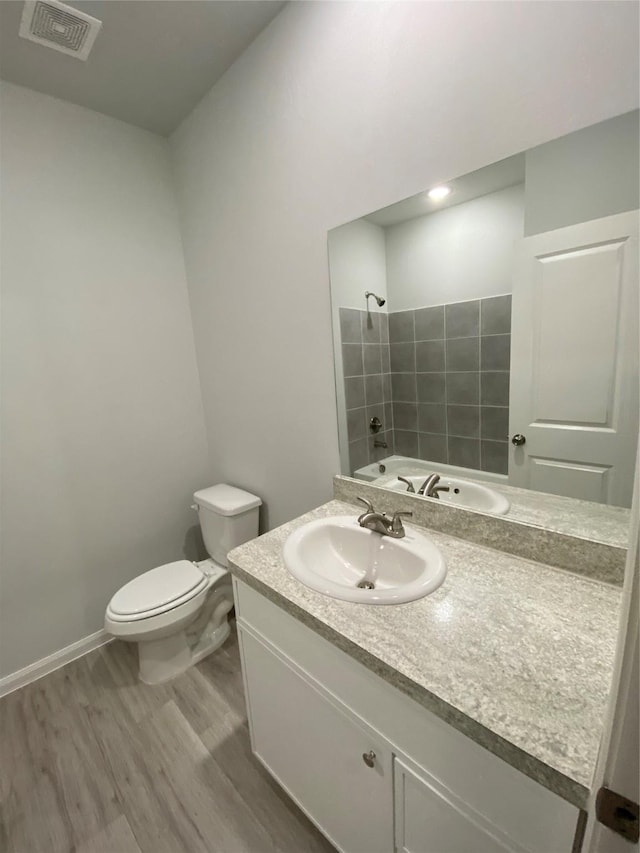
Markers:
462,252
338,109
587,175
357,263
103,433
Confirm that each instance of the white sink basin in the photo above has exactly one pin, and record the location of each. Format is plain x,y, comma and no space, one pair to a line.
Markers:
461,493
335,555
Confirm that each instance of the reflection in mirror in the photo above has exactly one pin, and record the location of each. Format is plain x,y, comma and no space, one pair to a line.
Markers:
491,334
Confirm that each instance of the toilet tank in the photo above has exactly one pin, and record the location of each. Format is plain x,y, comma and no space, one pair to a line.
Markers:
228,518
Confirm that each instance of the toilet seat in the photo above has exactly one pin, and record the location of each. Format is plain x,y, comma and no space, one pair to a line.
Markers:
157,591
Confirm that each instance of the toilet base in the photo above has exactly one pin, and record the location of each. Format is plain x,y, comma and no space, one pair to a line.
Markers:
164,659
214,641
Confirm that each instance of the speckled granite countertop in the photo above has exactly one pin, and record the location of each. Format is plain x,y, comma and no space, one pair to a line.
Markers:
515,654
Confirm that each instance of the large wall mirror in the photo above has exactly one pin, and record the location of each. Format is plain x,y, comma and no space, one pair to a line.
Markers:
486,330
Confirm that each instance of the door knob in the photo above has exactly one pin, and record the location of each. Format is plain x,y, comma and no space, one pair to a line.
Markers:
518,439
369,758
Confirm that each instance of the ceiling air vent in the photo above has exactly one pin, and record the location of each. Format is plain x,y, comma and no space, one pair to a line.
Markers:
59,26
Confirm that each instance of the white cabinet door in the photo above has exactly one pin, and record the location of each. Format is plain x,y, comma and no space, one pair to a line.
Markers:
431,819
574,360
315,750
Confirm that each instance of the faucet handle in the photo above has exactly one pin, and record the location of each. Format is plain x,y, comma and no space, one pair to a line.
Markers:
410,486
396,521
369,507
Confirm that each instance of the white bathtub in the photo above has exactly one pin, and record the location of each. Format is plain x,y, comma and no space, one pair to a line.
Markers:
406,465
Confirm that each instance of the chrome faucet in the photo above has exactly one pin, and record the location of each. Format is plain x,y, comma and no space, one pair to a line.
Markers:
381,523
430,487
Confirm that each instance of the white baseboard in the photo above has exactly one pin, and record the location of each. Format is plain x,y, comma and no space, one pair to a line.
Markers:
52,662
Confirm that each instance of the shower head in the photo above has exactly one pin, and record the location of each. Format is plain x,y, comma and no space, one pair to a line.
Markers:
378,299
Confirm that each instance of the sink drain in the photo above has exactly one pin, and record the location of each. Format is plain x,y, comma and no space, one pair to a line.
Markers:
366,585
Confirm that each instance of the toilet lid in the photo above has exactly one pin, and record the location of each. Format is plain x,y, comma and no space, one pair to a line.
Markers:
158,588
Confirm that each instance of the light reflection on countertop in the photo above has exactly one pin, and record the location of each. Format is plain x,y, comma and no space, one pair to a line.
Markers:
444,611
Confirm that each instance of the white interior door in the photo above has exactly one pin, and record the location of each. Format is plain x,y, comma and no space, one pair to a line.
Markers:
574,361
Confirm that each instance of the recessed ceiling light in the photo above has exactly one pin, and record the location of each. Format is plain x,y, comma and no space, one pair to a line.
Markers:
438,193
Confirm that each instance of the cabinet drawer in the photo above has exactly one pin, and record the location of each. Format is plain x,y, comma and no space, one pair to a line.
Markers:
315,751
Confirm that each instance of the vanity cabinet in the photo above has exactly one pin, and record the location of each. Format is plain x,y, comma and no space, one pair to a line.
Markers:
375,771
431,819
315,749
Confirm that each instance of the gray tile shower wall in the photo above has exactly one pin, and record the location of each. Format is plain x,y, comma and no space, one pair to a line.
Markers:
367,384
450,382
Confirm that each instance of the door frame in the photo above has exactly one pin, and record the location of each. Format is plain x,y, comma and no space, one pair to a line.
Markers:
619,743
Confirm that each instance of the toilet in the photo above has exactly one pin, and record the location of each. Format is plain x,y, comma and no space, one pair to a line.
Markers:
177,613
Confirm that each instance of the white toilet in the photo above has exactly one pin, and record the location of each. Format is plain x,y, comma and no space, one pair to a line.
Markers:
177,613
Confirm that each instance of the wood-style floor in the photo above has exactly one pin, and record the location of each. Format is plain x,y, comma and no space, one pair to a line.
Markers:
91,761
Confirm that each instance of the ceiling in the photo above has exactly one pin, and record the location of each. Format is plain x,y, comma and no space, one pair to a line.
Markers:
490,179
152,62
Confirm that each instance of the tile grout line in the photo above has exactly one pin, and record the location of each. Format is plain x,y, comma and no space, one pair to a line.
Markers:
415,379
480,454
446,384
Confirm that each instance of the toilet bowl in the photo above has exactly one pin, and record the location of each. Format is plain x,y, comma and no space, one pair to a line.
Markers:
177,612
